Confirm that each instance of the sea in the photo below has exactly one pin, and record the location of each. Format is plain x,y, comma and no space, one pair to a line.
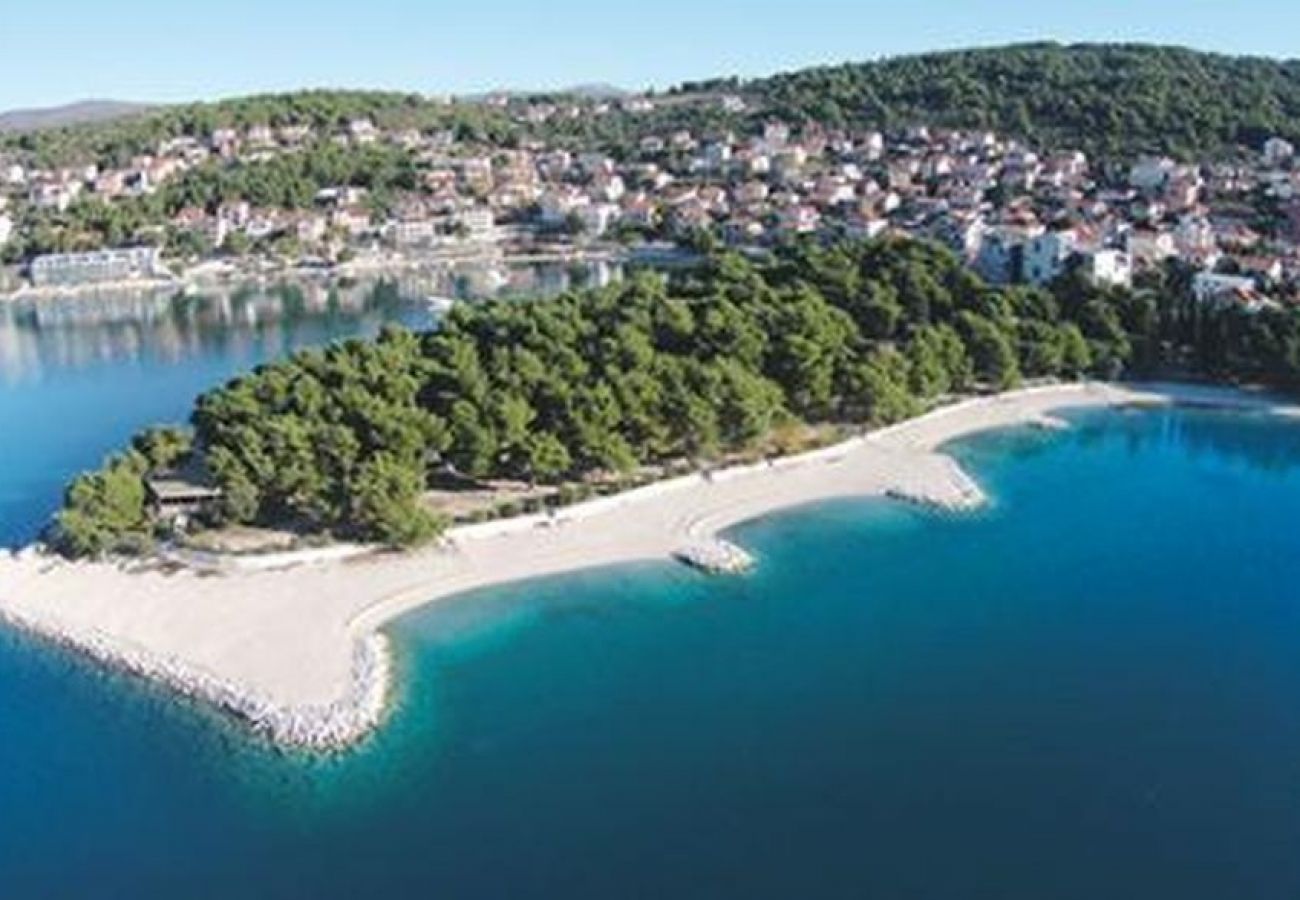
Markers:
1090,688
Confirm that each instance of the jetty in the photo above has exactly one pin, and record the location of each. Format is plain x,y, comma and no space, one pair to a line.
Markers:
940,484
716,557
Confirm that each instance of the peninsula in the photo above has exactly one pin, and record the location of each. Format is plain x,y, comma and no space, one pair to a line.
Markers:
729,370
300,653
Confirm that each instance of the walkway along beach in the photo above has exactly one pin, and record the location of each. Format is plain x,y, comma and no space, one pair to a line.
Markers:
298,652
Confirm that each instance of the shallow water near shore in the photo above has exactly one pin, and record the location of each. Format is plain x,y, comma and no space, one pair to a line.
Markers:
1091,688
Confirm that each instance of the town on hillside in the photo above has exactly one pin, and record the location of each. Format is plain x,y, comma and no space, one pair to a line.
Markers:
1013,213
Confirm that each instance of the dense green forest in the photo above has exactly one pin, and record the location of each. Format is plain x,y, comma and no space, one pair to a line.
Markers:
655,369
1112,101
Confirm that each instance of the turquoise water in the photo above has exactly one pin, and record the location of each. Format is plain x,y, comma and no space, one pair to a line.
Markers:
1091,689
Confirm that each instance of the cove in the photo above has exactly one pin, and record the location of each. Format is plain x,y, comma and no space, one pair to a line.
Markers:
1087,689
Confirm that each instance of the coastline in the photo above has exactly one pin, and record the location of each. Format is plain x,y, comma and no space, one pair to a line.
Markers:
299,652
217,273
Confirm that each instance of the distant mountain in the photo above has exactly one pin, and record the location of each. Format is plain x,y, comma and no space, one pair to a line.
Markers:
83,113
598,91
595,91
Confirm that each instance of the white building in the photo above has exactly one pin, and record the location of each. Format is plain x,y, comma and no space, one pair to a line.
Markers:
97,266
1212,287
414,232
476,222
6,229
1278,152
1109,268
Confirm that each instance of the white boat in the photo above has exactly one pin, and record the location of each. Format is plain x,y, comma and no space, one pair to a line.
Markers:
437,304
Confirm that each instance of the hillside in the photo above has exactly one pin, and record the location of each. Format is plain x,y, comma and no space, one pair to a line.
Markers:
1110,100
1113,101
86,112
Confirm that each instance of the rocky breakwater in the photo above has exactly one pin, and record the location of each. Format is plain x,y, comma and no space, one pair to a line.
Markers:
316,727
716,556
936,481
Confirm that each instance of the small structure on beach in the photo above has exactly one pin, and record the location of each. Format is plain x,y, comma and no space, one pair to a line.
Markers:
717,557
176,496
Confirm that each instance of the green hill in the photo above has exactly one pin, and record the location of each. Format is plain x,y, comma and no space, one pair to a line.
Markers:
1110,100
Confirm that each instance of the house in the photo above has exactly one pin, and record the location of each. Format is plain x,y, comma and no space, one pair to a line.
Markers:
1268,268
998,258
1151,173
212,228
717,154
354,220
1148,247
1108,268
1216,288
1278,152
236,213
224,141
54,194
6,229
311,229
413,232
864,225
362,131
596,218
640,210
608,187
832,191
557,204
475,222
750,192
963,233
261,136
110,184
1194,235
294,135
800,219
1183,191
1045,256
776,135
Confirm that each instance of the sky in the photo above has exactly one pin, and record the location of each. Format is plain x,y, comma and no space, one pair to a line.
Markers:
56,51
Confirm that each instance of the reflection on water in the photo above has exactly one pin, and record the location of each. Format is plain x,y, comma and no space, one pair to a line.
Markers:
79,376
1220,438
39,335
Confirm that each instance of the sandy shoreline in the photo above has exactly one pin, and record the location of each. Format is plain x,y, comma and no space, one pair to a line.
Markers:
299,652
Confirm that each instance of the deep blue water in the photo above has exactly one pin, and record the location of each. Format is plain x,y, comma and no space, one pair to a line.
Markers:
1091,689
